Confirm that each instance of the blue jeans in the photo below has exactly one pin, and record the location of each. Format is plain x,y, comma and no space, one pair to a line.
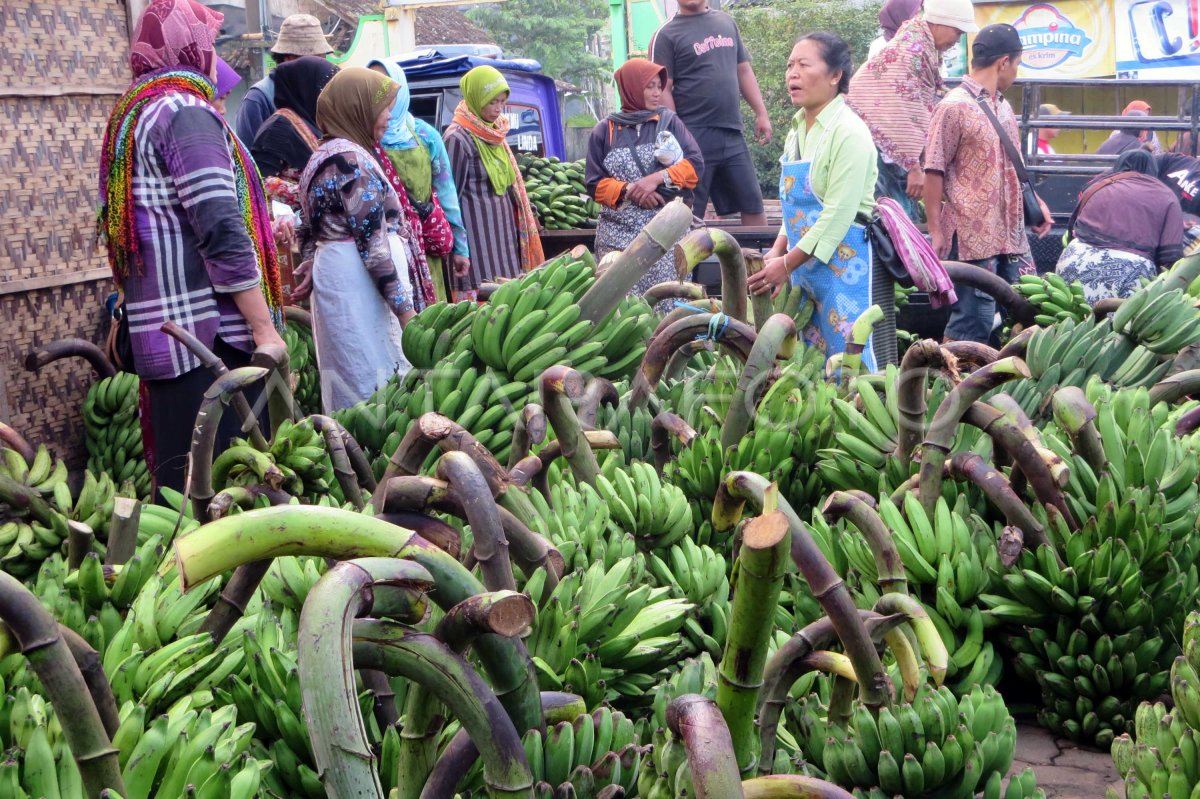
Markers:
973,317
893,182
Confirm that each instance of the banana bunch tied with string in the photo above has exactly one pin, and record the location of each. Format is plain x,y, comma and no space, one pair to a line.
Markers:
937,745
1055,299
630,626
1162,758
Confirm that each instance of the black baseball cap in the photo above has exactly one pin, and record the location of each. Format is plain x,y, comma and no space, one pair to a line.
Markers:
996,40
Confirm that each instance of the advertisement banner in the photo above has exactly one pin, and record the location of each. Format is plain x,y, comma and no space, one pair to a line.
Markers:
1068,39
1157,39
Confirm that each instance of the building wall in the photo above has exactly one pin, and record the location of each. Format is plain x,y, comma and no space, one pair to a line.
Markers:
61,68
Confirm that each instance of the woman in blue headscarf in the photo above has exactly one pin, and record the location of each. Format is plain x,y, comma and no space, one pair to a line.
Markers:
418,155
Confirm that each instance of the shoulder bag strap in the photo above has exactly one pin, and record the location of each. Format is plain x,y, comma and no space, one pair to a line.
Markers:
1013,156
1087,195
302,128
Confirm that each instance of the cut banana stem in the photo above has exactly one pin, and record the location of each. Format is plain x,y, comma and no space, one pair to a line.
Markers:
932,647
335,444
972,468
860,331
91,667
16,442
80,540
681,357
204,437
123,530
1182,274
1077,416
358,462
281,405
974,277
71,348
599,392
654,241
217,367
432,529
792,786
559,385
705,242
242,497
762,305
330,698
972,352
405,605
1009,438
776,339
506,613
37,634
1018,344
940,436
829,589
737,336
1175,387
530,428
1188,422
434,430
435,668
481,513
673,290
1106,307
888,565
918,360
699,723
25,498
663,428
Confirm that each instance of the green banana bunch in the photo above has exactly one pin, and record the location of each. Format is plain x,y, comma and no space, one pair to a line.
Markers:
557,192
1163,757
580,527
299,452
37,760
698,469
632,429
113,431
792,301
35,503
861,453
436,332
1163,321
1054,299
640,503
289,580
302,362
616,615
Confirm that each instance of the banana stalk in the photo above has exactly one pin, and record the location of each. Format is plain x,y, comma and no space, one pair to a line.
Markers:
910,394
655,239
16,442
1009,438
432,529
558,386
204,437
972,352
222,545
971,467
505,613
970,276
40,641
775,339
1182,274
703,243
710,750
789,663
91,668
1107,307
663,427
681,357
888,565
1188,422
1176,387
683,312
674,290
1077,416
25,498
434,430
1018,344
212,363
761,563
281,404
335,443
80,540
860,331
244,497
932,647
479,508
539,473
738,336
599,392
940,436
529,429
828,588
294,313
71,348
792,786
760,304
123,530
324,643
433,667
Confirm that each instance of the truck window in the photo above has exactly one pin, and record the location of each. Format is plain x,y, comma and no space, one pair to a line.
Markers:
525,129
425,107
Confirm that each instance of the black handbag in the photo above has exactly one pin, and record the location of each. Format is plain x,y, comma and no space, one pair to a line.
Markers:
1029,200
883,249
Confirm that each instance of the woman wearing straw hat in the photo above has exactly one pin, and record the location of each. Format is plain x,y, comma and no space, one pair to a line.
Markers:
500,224
299,35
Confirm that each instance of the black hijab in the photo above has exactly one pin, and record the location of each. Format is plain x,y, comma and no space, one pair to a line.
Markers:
298,83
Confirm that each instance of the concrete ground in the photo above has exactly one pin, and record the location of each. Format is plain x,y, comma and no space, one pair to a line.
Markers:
1064,769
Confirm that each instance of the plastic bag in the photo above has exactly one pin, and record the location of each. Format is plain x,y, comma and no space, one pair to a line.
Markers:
666,149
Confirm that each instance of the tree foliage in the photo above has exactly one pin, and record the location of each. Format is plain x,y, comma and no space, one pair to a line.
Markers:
769,31
554,32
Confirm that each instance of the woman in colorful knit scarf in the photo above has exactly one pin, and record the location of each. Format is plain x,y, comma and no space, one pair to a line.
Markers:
186,221
499,220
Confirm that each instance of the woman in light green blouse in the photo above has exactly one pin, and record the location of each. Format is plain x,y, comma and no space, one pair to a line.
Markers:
827,190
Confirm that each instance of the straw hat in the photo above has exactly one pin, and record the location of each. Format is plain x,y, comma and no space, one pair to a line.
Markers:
301,34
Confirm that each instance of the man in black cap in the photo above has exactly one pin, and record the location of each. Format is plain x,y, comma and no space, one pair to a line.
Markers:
973,198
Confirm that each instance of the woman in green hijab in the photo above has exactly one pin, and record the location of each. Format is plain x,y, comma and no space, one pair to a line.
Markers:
500,224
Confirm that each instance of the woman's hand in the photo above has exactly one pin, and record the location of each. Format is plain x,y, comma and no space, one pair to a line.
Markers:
268,335
916,183
643,192
406,317
771,277
302,274
460,265
285,230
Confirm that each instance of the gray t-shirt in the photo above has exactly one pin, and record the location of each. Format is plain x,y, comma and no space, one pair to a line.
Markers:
701,53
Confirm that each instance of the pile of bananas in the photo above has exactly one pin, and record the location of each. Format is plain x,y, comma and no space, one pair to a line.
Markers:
37,760
436,331
1162,320
34,505
557,192
1055,300
1163,759
657,514
632,429
302,361
580,528
113,431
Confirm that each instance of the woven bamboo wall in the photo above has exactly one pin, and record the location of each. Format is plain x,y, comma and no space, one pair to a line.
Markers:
61,68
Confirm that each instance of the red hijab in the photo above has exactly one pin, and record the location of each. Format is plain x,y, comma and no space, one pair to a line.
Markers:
632,78
175,33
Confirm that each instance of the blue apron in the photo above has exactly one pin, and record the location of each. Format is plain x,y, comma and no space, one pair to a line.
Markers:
840,288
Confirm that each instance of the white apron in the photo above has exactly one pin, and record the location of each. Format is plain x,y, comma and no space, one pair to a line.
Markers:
356,334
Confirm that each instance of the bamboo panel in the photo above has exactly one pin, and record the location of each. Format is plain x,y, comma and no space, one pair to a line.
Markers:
63,43
45,406
49,157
